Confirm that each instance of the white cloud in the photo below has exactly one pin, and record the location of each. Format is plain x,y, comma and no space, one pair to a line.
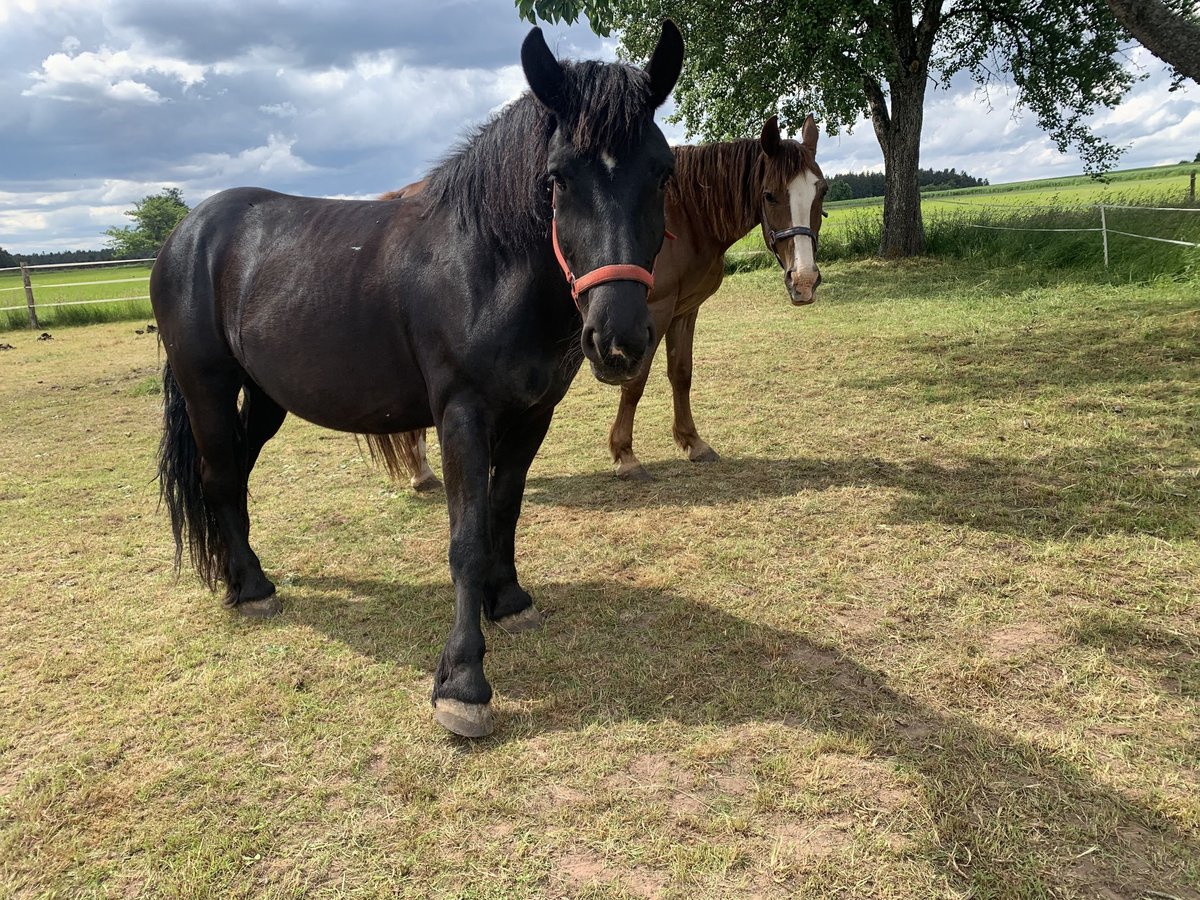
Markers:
108,73
274,159
281,110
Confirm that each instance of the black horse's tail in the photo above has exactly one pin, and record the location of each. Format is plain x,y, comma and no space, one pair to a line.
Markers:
180,488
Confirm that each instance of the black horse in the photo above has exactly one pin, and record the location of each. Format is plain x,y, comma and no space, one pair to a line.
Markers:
450,309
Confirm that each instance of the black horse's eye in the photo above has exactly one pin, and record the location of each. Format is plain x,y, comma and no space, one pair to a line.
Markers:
556,179
770,198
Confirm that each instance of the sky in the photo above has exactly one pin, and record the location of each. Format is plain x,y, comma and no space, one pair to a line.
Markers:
107,101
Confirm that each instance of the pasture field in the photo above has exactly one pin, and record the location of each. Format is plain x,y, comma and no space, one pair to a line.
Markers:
73,285
931,629
1159,183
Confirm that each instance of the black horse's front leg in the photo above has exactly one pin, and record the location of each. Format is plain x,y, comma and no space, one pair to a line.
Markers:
507,603
461,693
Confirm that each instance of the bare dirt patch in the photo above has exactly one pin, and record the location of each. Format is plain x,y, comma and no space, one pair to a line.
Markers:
581,868
1019,639
814,840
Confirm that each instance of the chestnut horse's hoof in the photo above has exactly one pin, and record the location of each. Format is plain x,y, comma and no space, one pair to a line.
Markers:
633,472
528,619
264,608
469,720
705,455
427,484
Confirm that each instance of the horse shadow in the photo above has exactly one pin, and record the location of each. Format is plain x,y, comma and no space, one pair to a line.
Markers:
613,652
1050,498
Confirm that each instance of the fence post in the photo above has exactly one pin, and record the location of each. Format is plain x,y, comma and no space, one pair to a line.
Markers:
33,322
1104,234
1192,188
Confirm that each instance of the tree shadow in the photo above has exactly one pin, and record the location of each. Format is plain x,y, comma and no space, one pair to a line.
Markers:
1028,359
1048,499
1011,817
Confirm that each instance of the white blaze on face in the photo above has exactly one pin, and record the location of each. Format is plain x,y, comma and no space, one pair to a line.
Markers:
610,162
802,191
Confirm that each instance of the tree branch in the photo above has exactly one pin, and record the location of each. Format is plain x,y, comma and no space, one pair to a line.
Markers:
1173,38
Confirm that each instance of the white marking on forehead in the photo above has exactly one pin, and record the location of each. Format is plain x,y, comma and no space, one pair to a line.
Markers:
610,161
802,191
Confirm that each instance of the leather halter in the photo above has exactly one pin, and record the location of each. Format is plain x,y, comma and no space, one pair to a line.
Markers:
619,272
775,237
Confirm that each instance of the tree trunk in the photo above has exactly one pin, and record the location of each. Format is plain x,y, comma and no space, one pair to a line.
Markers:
899,134
1171,37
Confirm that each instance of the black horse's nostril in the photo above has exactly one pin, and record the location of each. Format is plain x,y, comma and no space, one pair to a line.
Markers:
589,338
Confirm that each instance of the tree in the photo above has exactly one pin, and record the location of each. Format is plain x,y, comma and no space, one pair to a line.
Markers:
839,190
156,215
1171,34
7,260
844,58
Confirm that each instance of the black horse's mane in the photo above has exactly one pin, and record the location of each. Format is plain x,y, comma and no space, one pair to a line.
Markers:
495,181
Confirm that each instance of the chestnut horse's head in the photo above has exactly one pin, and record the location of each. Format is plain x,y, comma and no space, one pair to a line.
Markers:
792,197
607,166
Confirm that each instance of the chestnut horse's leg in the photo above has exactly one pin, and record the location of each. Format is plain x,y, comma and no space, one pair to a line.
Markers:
261,419
507,603
421,477
620,436
461,693
680,335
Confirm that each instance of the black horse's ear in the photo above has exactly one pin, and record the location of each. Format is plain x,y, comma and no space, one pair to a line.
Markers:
666,62
809,133
770,136
542,71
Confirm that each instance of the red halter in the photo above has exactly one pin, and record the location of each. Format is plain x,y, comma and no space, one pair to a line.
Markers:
622,272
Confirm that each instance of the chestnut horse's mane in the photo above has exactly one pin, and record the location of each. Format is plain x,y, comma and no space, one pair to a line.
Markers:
718,187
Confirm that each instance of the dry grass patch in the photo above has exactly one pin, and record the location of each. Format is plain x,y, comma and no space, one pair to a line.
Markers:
928,630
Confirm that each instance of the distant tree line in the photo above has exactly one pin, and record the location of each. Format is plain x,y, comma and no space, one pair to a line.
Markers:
9,260
856,185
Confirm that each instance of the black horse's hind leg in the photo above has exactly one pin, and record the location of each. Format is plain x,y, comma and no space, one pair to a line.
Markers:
506,602
461,693
229,442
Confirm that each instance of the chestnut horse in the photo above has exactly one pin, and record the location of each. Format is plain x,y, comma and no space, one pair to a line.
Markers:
719,193
449,310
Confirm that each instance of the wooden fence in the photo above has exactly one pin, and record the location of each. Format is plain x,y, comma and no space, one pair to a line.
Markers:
28,287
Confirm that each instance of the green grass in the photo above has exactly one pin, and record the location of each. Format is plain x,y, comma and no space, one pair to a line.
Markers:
72,286
930,629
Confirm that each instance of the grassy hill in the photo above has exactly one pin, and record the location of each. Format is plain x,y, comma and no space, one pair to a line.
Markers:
1147,185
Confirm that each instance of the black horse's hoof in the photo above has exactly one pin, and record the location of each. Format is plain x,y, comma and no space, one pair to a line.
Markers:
265,608
528,619
469,720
